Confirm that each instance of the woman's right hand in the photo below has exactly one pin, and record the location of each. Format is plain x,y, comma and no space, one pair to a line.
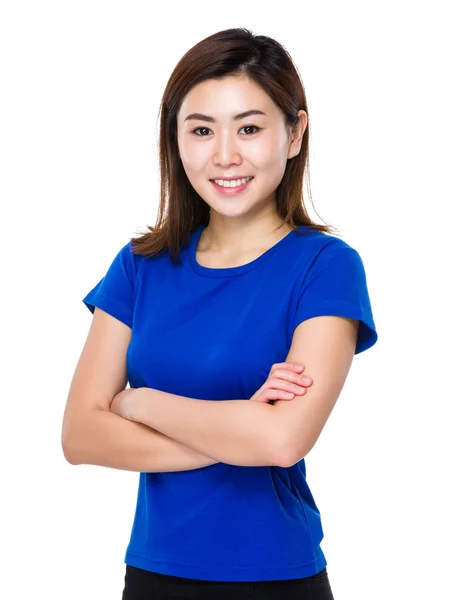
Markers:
284,383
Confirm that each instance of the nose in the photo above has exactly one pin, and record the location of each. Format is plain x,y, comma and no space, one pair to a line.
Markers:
226,151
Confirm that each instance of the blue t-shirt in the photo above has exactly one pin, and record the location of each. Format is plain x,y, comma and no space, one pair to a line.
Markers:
214,334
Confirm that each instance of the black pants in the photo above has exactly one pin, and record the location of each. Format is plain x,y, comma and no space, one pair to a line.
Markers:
146,585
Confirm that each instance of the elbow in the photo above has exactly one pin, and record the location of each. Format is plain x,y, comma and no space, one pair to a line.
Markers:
290,456
288,452
73,438
290,447
69,454
69,450
66,442
289,460
286,459
79,437
293,454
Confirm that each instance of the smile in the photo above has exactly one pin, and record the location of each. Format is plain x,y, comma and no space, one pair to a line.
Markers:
228,190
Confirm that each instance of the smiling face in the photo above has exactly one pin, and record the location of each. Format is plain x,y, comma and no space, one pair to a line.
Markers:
216,143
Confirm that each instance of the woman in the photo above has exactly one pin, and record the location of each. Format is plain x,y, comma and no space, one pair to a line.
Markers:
219,300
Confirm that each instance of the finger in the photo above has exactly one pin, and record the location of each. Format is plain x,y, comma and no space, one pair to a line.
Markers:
297,377
273,394
287,365
282,384
292,377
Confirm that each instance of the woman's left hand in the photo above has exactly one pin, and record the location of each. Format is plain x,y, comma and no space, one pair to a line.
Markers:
123,403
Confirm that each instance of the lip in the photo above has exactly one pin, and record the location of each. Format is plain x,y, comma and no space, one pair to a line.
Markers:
231,191
231,178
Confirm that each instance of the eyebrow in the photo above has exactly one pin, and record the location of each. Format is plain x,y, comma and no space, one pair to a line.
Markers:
243,115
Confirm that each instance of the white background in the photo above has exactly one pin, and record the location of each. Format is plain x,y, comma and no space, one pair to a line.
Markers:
386,87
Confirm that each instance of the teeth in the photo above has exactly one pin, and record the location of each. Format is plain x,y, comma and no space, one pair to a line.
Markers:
233,183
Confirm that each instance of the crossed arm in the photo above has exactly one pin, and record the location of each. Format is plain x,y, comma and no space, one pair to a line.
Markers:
250,433
238,432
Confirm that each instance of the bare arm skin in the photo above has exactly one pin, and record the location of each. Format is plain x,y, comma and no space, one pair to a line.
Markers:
108,440
91,434
236,432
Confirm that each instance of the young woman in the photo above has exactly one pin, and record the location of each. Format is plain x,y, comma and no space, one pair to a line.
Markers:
214,316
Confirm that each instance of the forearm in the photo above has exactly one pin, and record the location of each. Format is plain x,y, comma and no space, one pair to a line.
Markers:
105,439
236,432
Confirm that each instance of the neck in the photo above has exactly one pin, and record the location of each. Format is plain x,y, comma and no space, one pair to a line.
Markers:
228,236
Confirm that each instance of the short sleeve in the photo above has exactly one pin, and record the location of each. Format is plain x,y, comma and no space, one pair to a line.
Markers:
336,284
114,292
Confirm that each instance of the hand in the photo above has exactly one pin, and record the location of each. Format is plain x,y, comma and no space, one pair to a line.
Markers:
284,383
123,403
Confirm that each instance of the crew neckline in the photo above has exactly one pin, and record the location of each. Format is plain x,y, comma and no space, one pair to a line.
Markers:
230,271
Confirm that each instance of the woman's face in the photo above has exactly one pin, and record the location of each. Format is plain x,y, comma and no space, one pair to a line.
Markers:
214,144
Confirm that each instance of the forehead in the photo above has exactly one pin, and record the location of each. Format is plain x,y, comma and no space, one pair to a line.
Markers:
223,98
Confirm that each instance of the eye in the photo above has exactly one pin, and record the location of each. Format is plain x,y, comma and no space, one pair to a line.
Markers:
250,127
208,129
200,128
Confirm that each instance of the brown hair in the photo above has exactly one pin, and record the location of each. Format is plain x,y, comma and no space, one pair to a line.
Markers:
232,52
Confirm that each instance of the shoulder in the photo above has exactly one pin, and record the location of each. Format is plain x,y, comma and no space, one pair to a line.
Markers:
129,254
127,262
314,245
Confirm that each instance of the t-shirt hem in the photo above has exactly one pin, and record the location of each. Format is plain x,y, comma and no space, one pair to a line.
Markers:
228,572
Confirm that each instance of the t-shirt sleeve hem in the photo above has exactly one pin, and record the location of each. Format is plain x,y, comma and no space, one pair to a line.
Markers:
367,334
109,304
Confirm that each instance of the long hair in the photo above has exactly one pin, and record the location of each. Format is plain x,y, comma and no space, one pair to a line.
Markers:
232,52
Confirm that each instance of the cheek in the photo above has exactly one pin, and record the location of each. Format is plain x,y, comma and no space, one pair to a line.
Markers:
266,152
192,154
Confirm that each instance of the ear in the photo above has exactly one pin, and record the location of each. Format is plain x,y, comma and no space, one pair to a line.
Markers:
297,132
